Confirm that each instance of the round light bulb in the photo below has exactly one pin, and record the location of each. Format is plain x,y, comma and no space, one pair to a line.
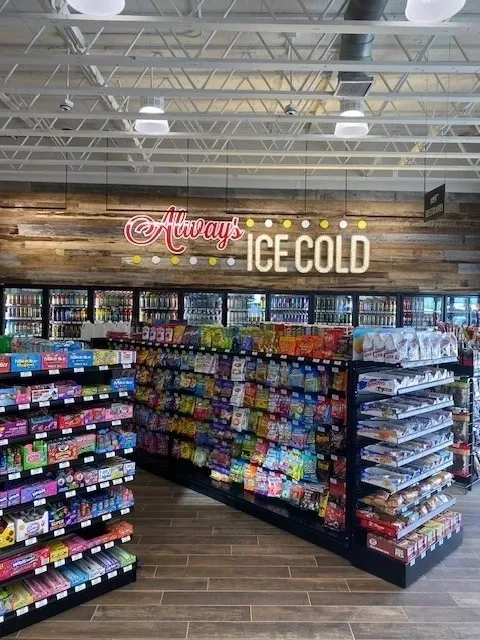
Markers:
193,260
431,11
231,262
155,259
98,7
268,223
305,224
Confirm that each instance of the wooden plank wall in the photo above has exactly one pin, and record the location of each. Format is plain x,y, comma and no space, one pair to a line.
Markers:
42,241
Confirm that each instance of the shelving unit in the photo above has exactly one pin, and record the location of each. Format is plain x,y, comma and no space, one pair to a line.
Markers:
108,503
374,525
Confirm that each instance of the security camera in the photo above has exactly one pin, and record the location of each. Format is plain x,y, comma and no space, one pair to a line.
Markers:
67,105
291,110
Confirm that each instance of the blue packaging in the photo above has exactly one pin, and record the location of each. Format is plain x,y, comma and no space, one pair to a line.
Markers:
8,396
81,358
25,362
123,384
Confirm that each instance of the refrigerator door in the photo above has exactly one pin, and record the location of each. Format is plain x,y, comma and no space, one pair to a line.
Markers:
422,312
377,311
333,310
287,307
474,302
458,311
203,308
245,308
157,306
115,305
23,312
68,311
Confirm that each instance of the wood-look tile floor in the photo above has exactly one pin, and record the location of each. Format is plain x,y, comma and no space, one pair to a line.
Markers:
213,573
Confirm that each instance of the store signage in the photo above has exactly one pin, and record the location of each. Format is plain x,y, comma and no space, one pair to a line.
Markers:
324,254
175,227
434,204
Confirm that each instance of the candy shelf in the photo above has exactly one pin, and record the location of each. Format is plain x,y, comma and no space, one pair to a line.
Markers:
16,408
68,599
41,512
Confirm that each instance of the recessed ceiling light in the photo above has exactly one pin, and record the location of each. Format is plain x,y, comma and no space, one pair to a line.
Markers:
98,7
429,11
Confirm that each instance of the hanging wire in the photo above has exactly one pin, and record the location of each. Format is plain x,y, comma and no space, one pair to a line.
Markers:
188,172
306,176
346,182
448,106
226,179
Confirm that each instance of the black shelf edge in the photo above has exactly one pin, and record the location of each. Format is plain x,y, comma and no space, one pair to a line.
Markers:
99,397
59,533
66,561
188,476
337,362
58,433
75,597
73,493
55,373
86,459
398,573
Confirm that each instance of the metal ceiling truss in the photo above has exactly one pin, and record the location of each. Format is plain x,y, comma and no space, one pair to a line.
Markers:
226,79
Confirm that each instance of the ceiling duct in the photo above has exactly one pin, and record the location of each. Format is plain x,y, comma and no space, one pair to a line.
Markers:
359,46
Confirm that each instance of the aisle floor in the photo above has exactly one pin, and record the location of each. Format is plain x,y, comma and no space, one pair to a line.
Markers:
213,573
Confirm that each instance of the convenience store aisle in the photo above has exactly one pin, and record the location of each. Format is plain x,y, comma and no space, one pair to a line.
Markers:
213,573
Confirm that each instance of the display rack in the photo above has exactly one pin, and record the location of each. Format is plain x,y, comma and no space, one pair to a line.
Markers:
37,526
396,535
168,432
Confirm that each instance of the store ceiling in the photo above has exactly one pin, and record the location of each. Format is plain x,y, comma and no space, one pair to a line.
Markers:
227,69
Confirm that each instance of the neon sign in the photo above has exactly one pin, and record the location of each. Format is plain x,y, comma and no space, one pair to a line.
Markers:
174,227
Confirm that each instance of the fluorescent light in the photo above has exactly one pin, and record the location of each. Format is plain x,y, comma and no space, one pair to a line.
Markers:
351,126
151,127
152,105
98,7
430,11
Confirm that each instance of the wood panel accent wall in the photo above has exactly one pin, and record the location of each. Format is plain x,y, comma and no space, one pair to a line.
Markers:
44,242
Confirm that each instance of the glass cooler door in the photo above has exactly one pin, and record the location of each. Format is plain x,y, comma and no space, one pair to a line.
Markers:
157,306
113,306
422,312
245,308
68,311
287,307
203,308
333,310
377,311
23,312
458,310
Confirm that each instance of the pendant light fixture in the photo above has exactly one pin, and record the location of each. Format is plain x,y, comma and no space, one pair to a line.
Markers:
430,11
154,106
100,8
351,125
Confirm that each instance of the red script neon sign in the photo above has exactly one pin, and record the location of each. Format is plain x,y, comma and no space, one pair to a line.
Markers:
143,230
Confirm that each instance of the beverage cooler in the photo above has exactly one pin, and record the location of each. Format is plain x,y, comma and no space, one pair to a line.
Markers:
157,306
68,311
377,311
203,308
114,305
463,310
245,308
422,312
333,310
289,308
23,312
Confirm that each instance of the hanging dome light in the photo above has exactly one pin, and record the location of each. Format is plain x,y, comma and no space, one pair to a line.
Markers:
151,127
152,105
429,11
351,126
98,7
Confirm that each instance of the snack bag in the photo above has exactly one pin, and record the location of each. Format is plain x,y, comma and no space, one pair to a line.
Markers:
261,371
238,369
273,373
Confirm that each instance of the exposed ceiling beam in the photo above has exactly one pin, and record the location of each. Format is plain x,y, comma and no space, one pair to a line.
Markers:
229,94
257,153
239,64
237,166
180,116
248,24
215,135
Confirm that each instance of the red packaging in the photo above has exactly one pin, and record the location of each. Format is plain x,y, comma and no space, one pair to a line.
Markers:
4,364
71,421
404,550
54,360
75,544
23,563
